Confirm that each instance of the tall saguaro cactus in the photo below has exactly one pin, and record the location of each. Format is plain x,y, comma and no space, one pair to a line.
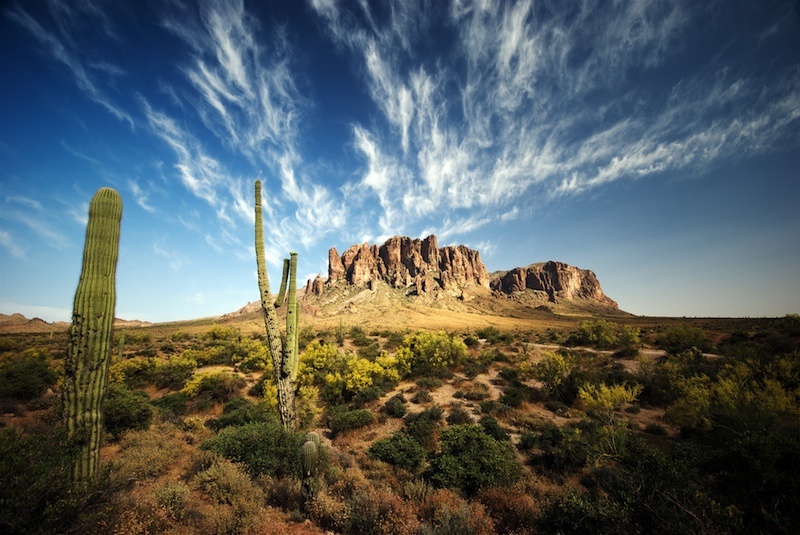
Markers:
90,336
284,357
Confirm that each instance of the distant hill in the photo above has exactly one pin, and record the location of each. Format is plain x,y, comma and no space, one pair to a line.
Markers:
19,323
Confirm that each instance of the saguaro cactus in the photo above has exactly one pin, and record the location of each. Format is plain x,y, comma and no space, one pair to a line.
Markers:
284,358
90,336
310,455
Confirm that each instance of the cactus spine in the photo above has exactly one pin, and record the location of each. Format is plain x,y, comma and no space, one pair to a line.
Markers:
281,356
90,336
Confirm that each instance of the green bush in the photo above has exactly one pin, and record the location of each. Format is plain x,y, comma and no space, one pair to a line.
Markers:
470,460
263,447
173,403
433,354
240,411
459,416
214,386
398,450
353,419
680,338
422,426
37,494
26,375
604,334
124,409
493,428
395,406
584,513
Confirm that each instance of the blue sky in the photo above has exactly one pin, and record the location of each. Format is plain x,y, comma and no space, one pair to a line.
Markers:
654,142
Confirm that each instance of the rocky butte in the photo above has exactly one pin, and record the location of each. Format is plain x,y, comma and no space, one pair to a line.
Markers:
423,267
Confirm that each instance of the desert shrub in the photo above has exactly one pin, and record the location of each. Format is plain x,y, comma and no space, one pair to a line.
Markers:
511,510
429,383
124,409
173,403
552,371
602,400
459,416
172,497
240,411
474,367
604,334
173,373
395,406
493,428
147,453
26,375
562,447
446,513
432,354
134,371
284,492
470,341
678,338
479,393
381,512
214,386
219,333
365,395
37,494
359,337
470,460
528,440
352,419
578,513
262,447
421,396
398,450
515,395
490,406
655,429
557,408
493,335
422,426
227,484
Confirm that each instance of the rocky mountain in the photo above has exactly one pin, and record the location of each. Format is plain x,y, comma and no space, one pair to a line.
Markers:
557,280
403,262
423,268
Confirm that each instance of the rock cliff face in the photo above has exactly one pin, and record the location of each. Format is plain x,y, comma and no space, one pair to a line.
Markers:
402,262
557,279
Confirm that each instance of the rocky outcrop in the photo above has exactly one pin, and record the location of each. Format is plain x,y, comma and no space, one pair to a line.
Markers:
556,279
315,287
403,262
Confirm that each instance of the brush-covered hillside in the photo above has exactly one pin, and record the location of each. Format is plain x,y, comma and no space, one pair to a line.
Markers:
553,425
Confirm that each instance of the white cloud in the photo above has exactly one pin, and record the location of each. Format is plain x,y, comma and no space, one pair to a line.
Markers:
140,196
542,97
63,48
8,241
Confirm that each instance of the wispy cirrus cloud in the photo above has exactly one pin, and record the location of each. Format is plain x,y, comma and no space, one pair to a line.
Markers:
8,241
31,214
554,99
246,94
91,76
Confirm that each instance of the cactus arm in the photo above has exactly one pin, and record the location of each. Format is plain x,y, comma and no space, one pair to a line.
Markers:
291,319
283,379
91,333
282,292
